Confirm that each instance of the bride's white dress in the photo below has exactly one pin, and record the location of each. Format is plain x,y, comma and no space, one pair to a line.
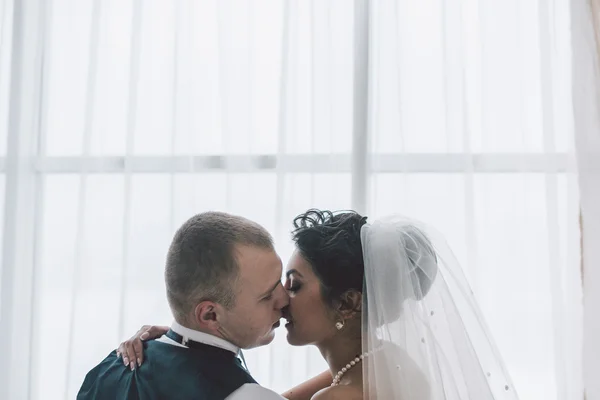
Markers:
421,325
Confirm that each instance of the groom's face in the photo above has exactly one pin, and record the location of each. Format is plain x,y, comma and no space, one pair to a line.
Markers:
259,298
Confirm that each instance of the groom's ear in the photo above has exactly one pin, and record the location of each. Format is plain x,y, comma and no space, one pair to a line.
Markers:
350,303
206,315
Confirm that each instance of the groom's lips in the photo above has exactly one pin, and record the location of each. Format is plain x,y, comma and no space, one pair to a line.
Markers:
276,324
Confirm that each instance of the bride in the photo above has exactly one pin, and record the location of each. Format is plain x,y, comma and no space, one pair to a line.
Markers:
389,309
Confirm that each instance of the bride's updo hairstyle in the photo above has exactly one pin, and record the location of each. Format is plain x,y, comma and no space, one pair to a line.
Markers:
331,243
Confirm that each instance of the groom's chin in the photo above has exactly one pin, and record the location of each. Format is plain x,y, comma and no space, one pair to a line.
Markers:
268,338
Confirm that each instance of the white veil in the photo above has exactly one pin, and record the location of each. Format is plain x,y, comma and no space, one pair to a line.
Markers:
422,328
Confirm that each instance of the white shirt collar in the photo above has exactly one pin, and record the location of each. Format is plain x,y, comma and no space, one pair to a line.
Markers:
202,337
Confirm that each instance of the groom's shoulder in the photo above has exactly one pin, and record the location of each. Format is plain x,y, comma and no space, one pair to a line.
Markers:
166,369
93,386
339,393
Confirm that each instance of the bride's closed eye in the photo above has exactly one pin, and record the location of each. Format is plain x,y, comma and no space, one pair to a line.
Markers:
292,287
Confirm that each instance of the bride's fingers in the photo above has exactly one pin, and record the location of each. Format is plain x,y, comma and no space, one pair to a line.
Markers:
122,352
132,350
131,354
153,332
138,349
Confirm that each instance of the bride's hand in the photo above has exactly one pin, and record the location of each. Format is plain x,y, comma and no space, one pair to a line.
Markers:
132,350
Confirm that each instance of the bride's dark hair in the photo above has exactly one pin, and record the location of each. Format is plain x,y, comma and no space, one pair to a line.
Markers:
330,242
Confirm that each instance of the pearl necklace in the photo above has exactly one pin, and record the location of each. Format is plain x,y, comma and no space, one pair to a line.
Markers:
340,374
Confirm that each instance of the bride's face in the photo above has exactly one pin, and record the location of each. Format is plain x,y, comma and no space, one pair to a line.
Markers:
310,319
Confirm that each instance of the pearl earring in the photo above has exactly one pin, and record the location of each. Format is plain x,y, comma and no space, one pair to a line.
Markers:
339,325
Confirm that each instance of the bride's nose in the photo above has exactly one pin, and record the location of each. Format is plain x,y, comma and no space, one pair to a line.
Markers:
282,297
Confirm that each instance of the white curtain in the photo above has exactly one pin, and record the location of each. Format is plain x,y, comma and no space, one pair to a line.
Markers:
586,98
470,126
124,118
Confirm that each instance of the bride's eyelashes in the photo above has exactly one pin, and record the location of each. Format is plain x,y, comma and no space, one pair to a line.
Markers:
292,287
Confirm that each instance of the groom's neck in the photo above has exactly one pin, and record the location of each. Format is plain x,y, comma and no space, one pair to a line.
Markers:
196,327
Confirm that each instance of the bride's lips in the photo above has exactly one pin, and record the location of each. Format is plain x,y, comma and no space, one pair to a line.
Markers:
286,315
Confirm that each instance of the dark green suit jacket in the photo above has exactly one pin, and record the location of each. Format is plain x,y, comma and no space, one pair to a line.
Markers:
168,372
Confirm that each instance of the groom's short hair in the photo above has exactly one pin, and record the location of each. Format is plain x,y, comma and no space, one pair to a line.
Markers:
202,263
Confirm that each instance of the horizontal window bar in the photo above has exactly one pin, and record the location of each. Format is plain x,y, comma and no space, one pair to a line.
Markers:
307,163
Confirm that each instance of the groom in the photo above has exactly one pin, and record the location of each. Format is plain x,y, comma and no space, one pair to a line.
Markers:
223,280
